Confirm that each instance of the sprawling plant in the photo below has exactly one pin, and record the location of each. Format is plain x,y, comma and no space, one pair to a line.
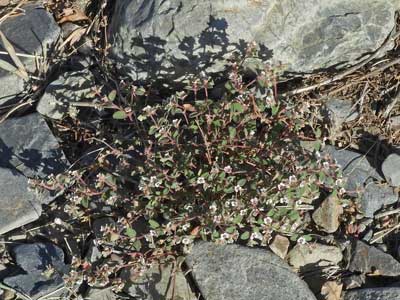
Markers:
226,170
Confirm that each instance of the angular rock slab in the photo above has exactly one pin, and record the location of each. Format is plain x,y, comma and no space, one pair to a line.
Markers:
375,197
373,294
355,167
157,39
29,33
157,283
368,259
391,169
303,256
239,273
28,145
18,205
70,87
36,260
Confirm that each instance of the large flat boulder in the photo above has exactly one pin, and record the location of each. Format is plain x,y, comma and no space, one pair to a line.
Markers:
18,205
28,145
31,32
43,265
28,149
155,39
240,273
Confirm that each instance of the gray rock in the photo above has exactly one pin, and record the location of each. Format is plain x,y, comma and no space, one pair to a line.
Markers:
236,272
340,111
391,169
373,294
101,294
368,259
156,39
375,196
156,284
355,168
27,144
353,281
70,87
312,255
327,215
18,205
44,266
29,33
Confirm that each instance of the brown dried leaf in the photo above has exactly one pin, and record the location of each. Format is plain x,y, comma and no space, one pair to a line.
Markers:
74,37
195,231
331,290
73,15
189,107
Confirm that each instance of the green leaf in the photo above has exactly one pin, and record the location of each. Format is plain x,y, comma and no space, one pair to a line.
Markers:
318,133
232,132
230,229
140,91
229,190
85,202
229,86
274,109
242,182
130,232
245,235
294,215
137,245
112,95
119,115
237,107
153,224
238,219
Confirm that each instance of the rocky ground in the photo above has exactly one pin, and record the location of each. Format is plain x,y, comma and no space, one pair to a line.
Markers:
62,63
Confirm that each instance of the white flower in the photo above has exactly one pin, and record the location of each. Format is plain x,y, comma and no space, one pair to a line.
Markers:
189,207
225,236
302,241
256,235
339,181
228,169
292,179
233,203
268,220
342,191
326,165
186,240
263,191
217,219
254,201
213,208
58,221
284,200
186,226
238,189
175,122
201,180
251,133
281,186
147,109
243,212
